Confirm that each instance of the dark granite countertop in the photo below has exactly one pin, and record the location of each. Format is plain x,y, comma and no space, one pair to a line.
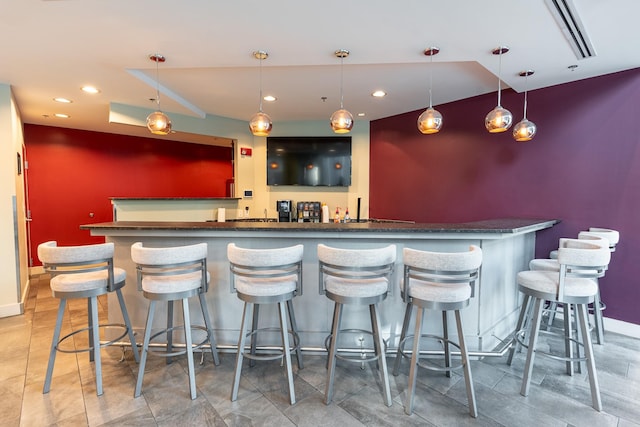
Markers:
499,226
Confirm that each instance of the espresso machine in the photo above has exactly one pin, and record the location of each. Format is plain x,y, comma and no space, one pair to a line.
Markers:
285,210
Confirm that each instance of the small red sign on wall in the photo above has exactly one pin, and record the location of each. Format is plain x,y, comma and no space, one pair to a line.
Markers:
245,151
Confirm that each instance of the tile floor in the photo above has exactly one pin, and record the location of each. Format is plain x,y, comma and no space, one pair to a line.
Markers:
555,399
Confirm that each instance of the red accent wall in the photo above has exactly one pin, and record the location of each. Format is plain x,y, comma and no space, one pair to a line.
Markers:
583,167
73,173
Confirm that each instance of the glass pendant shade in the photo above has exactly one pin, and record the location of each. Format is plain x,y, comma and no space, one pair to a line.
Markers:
159,123
430,121
341,121
498,120
524,130
260,124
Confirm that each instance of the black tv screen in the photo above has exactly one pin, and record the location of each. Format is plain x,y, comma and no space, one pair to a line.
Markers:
309,161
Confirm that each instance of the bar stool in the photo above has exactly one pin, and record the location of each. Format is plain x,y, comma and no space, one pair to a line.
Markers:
581,262
84,272
174,274
444,282
356,277
266,276
606,237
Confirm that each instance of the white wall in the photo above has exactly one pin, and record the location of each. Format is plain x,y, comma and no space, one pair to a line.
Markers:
14,277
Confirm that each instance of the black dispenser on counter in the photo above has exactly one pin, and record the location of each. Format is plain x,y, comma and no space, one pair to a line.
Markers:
285,210
309,211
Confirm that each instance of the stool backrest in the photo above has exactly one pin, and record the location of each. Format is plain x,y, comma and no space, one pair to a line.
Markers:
612,236
171,261
453,268
355,263
58,260
581,258
265,263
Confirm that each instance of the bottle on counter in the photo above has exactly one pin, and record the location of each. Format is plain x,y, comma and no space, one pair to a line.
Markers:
336,218
325,213
347,218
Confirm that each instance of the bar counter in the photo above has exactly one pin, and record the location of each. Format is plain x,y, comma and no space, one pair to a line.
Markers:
508,245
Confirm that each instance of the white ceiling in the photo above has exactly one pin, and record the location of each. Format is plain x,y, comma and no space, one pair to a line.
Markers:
53,47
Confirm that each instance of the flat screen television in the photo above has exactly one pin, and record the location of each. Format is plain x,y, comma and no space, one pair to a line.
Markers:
309,161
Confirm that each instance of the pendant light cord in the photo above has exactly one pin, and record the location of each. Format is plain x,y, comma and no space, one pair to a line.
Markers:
157,59
526,90
341,82
260,83
499,79
430,79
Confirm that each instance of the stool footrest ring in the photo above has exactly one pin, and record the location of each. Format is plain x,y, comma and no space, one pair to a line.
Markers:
278,355
362,351
166,353
88,329
520,337
431,366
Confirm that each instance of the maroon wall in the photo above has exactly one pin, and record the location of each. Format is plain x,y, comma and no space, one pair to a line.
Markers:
73,173
583,167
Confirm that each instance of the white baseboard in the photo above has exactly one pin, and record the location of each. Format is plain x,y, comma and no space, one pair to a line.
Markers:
11,309
622,328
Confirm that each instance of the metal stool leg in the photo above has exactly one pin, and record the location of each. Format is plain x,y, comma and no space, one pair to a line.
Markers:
169,330
403,335
294,328
597,316
189,347
568,337
380,352
415,358
471,395
127,323
248,308
515,346
591,365
95,328
337,319
285,350
207,323
531,351
54,346
145,348
254,335
447,352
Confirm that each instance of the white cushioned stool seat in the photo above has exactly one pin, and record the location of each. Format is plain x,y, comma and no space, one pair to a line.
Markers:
174,274
84,272
266,276
356,277
581,261
442,281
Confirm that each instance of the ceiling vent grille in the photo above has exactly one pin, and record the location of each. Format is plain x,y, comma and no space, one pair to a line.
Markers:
565,14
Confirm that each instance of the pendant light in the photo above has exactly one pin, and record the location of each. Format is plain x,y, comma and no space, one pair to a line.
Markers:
430,121
499,119
260,124
158,122
525,130
341,120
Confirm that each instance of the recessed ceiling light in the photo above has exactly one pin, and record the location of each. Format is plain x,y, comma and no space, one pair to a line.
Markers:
379,94
62,116
361,114
63,100
90,89
269,98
